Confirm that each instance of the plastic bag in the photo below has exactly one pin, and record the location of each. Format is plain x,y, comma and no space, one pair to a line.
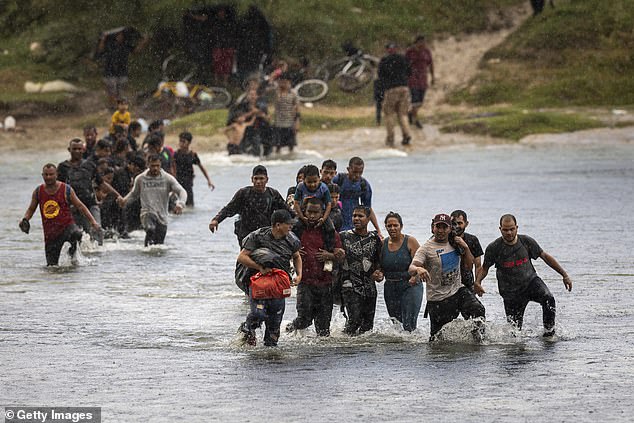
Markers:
276,284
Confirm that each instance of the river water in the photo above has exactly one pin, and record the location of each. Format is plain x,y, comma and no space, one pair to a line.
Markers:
150,334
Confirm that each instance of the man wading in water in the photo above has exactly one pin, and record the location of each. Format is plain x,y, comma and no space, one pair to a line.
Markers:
54,199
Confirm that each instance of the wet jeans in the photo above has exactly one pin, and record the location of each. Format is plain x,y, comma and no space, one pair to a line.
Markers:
403,302
537,291
360,312
53,248
154,230
271,313
462,302
314,303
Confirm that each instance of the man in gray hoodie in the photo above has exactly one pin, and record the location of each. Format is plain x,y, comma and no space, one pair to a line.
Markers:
154,187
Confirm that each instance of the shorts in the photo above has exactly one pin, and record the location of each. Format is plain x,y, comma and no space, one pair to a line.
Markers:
417,95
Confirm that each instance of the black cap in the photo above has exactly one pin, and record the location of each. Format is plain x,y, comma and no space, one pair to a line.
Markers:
259,170
281,216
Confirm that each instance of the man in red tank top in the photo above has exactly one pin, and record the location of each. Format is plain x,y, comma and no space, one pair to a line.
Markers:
54,199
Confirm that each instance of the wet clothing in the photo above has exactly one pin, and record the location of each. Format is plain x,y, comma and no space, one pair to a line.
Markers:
444,311
154,193
442,261
270,311
322,192
336,217
314,294
282,249
352,194
518,282
55,211
115,57
537,291
255,209
403,301
155,231
358,289
515,270
185,172
80,177
285,109
57,222
468,278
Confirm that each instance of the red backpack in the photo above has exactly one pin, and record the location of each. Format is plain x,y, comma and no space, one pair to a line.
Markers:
276,284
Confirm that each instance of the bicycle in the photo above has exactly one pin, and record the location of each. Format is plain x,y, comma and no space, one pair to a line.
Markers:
352,72
179,97
175,94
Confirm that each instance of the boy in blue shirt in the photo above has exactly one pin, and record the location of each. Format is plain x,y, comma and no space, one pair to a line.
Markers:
312,187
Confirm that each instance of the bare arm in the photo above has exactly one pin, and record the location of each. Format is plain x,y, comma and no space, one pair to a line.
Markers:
554,264
204,171
477,285
375,223
416,269
245,259
297,263
31,209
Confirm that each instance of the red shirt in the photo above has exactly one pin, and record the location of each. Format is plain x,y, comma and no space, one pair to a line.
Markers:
420,60
312,270
55,211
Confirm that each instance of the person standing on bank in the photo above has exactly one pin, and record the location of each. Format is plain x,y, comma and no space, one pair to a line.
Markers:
255,205
54,199
154,187
518,282
420,60
394,71
459,224
438,263
403,295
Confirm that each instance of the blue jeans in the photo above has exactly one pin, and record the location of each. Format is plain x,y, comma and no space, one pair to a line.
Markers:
270,312
403,302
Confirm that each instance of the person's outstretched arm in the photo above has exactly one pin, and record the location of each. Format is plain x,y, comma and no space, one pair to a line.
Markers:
554,264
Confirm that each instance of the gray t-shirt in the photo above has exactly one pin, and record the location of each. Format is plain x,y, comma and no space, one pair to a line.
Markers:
513,262
280,250
154,192
442,261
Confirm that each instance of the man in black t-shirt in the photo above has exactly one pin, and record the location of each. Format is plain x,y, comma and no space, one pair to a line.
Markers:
393,72
254,204
518,282
459,224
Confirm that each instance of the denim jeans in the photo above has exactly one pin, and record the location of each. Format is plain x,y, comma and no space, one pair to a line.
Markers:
403,301
270,312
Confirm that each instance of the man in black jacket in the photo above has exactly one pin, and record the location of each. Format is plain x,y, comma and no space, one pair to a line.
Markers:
394,70
255,205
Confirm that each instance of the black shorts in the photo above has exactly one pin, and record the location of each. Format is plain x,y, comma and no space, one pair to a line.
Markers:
284,137
417,95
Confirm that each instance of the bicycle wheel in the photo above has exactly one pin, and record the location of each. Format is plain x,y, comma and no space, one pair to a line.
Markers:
176,67
356,75
311,90
208,98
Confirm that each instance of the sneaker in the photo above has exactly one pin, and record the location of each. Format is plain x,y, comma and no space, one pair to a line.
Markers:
549,333
248,335
418,124
406,140
290,327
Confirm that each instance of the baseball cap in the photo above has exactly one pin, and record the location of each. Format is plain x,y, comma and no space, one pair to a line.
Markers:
442,218
259,170
281,216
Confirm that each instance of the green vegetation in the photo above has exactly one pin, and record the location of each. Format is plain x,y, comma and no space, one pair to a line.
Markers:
68,31
580,53
515,124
